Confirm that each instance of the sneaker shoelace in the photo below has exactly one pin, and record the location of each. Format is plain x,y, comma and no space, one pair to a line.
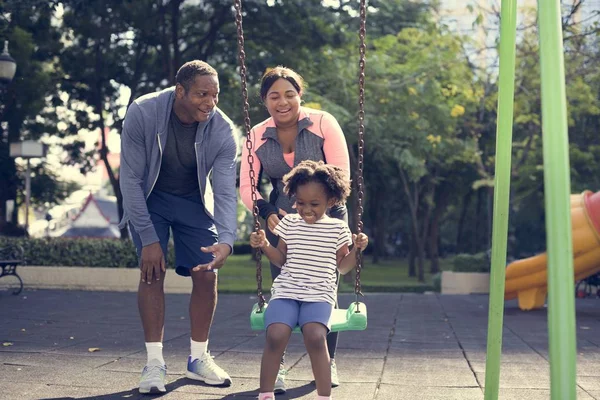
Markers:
209,362
155,372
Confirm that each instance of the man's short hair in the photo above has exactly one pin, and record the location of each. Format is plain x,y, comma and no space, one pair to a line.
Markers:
188,72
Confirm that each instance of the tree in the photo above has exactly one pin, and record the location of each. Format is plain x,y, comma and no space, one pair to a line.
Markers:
110,48
25,113
115,46
526,231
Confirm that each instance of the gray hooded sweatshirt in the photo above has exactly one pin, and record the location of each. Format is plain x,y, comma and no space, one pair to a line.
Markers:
143,139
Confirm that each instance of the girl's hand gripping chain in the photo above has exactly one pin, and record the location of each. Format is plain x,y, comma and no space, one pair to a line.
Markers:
361,241
259,239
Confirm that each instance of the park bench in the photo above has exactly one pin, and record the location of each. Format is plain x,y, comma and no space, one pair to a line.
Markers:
10,259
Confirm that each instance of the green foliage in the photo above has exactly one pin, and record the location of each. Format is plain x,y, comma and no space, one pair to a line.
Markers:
112,253
242,248
430,111
26,111
479,262
583,112
81,252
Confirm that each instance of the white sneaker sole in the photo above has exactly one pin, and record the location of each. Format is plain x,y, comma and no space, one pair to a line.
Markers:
153,390
212,382
279,390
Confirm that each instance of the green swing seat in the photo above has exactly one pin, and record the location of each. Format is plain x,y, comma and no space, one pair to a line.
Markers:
341,320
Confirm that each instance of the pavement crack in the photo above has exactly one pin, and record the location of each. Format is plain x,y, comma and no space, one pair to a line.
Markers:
387,350
462,349
507,327
16,364
514,332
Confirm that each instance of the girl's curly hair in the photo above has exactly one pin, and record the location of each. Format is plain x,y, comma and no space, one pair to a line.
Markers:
334,179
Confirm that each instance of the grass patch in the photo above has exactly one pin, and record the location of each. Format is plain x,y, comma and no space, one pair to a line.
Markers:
239,276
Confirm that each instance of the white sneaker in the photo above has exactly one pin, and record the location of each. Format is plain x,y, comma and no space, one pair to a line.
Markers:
206,370
280,382
335,381
153,377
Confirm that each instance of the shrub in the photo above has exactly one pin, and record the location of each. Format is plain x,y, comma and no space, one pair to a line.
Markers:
242,248
75,252
479,262
85,252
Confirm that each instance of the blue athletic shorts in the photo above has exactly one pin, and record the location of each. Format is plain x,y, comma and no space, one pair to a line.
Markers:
192,228
297,313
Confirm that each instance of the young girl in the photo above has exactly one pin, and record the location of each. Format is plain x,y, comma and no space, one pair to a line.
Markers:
293,133
311,247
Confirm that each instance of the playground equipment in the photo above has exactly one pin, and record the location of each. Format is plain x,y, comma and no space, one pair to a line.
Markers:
560,272
355,317
527,279
561,296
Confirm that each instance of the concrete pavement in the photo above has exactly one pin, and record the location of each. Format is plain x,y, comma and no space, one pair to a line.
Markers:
416,347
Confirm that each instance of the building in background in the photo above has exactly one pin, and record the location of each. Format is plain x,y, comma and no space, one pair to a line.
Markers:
97,218
477,20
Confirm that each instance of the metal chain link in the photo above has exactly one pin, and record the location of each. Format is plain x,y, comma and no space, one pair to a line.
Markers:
362,32
247,126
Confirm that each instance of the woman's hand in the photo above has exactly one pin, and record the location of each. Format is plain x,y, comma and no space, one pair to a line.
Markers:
274,220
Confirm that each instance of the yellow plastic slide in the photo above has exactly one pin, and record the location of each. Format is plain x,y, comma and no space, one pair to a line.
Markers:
527,279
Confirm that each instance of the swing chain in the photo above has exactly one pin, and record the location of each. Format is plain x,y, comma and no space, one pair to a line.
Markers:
247,126
361,140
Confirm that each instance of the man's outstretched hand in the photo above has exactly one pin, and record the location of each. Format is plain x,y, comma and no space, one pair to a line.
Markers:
220,251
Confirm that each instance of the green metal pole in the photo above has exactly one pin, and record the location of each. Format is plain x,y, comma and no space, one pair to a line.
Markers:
557,187
506,90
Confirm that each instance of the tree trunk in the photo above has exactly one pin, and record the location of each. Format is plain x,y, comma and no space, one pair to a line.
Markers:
442,197
461,222
421,241
8,183
434,252
419,236
114,181
378,216
9,180
478,219
375,211
421,261
380,239
412,256
175,14
167,65
490,216
413,205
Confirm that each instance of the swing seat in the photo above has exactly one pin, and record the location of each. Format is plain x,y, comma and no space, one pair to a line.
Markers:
341,319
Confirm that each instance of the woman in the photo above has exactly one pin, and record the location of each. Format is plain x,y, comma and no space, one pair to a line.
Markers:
291,135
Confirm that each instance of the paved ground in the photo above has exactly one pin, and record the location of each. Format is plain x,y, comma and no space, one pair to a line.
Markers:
416,347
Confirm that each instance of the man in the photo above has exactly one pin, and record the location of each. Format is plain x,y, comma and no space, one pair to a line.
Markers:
171,141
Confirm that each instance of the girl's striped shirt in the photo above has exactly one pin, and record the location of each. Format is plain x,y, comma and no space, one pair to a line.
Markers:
309,272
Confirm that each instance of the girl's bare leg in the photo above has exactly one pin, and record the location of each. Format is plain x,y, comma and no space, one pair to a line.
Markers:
315,340
278,336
